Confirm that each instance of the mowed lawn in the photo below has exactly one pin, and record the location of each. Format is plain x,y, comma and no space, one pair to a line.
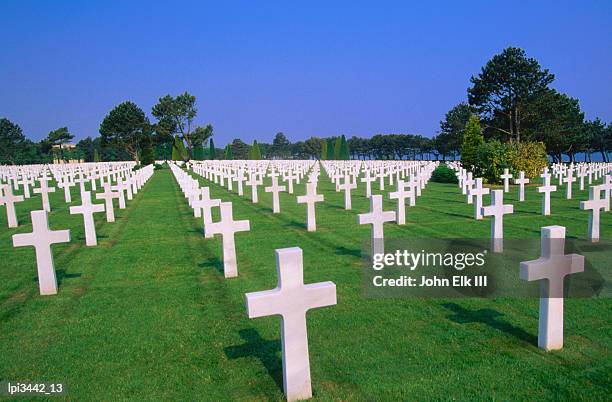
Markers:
147,314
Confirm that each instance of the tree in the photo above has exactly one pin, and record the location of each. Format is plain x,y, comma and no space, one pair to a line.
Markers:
179,153
330,148
597,138
344,153
280,146
86,146
12,142
127,127
506,85
176,116
228,152
324,155
240,150
337,144
212,153
451,128
313,147
255,152
199,136
472,139
59,137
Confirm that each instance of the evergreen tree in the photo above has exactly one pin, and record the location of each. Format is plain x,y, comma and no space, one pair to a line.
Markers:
211,149
344,153
324,150
255,151
179,153
337,145
96,157
472,139
228,152
330,148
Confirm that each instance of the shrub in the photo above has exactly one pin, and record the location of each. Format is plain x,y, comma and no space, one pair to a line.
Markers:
494,156
530,157
444,174
472,139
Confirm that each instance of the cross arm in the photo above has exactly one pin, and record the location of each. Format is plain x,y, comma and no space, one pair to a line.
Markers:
321,294
265,303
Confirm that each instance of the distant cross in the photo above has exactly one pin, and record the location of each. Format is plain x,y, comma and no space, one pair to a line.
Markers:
347,187
9,199
376,217
42,238
594,204
239,179
469,185
44,191
254,181
310,199
607,189
546,188
478,191
570,179
289,178
204,204
367,179
551,268
25,182
521,181
107,195
87,209
292,299
227,227
506,177
65,185
275,189
400,195
381,179
497,210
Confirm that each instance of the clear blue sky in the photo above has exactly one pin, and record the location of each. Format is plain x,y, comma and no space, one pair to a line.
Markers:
304,68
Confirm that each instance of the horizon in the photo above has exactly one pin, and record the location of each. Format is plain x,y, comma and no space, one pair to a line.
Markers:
261,69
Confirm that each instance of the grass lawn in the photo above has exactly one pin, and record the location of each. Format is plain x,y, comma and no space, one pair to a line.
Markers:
147,313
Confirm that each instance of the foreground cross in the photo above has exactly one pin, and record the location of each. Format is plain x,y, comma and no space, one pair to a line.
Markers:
521,181
552,266
291,299
42,238
546,188
497,210
376,217
87,209
506,177
9,199
227,227
310,199
400,195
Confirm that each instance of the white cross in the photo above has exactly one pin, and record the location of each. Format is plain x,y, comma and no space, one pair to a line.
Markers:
497,210
9,199
119,187
25,181
65,184
289,178
478,191
607,189
44,191
594,204
546,189
42,238
506,176
367,179
521,181
254,182
227,227
239,179
204,204
376,217
292,299
108,196
469,185
400,195
569,180
552,266
275,189
347,187
310,199
87,209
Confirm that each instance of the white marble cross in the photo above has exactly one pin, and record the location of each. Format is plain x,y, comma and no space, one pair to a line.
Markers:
606,187
400,195
347,187
254,181
570,179
367,179
44,191
506,177
478,191
25,182
9,199
292,299
65,185
204,204
376,217
107,195
310,199
275,189
546,189
551,268
594,204
87,209
42,238
469,185
497,210
521,181
227,227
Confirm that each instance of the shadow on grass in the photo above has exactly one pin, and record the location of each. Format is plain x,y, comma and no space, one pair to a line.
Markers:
61,275
266,351
214,262
488,317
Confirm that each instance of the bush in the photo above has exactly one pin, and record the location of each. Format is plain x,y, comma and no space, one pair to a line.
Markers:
444,174
157,166
472,139
494,156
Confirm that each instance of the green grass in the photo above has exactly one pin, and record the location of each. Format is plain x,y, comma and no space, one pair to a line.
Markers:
147,313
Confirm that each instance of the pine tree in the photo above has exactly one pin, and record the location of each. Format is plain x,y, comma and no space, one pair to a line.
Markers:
179,153
255,151
344,149
96,156
324,150
228,152
337,145
472,139
330,149
211,149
